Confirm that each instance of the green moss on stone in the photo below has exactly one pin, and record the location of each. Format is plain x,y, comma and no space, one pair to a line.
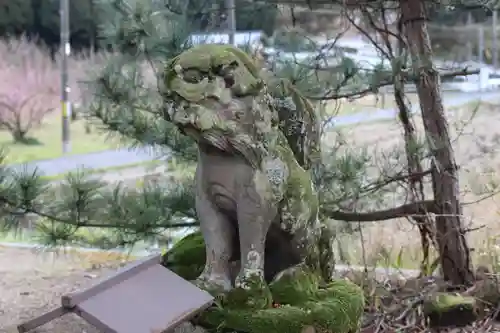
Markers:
335,309
187,257
207,59
444,301
447,309
295,285
254,295
301,302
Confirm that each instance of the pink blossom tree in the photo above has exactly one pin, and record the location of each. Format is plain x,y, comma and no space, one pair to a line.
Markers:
28,89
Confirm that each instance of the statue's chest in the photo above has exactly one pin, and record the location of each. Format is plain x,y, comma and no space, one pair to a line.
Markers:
220,186
221,179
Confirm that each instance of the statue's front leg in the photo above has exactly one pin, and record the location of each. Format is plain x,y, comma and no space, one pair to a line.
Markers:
255,215
218,235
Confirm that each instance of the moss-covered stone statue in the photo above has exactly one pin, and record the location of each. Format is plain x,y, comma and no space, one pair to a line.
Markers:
255,199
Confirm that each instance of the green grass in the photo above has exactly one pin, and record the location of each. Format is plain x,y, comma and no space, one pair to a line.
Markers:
45,141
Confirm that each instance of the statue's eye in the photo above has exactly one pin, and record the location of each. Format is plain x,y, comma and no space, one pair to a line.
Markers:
193,76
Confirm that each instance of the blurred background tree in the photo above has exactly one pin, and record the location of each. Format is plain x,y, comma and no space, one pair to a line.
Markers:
39,19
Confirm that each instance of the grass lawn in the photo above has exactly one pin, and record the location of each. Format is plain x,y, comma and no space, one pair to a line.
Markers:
47,141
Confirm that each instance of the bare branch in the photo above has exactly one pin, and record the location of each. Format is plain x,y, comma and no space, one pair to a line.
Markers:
416,208
389,82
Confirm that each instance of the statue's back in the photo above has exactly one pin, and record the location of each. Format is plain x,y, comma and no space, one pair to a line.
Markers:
298,121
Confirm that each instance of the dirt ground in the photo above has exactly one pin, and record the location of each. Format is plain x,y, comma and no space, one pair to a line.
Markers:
32,283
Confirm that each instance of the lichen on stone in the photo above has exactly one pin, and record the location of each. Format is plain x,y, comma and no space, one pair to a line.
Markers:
215,93
444,301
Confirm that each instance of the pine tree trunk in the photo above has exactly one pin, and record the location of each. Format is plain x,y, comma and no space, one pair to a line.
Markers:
416,193
454,251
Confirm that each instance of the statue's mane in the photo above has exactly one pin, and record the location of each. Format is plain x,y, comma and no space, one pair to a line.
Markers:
230,143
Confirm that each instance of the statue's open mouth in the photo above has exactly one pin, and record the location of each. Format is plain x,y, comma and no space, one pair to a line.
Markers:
223,141
210,137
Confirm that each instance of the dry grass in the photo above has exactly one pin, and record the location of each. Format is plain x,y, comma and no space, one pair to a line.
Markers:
371,103
368,103
475,141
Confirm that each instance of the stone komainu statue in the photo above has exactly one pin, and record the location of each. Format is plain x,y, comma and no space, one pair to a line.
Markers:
257,140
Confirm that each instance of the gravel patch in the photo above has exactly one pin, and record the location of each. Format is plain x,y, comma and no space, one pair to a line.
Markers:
32,283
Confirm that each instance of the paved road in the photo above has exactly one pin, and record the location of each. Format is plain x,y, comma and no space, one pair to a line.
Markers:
115,158
449,101
98,160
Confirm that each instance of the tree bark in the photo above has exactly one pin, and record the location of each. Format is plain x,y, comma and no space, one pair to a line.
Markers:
416,185
454,251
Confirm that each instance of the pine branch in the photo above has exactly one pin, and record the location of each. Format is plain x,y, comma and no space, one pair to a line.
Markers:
80,202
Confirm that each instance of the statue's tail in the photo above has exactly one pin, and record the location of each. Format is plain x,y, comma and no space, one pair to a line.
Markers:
299,122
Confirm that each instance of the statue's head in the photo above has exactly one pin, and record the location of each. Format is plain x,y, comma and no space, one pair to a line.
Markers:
214,93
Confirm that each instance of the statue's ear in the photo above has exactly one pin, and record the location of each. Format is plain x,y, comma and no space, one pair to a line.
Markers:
260,84
219,70
275,120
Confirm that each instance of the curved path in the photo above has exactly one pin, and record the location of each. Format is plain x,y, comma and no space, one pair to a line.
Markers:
119,157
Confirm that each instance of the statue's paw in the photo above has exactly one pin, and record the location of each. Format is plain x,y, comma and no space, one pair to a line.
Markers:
251,292
247,279
214,285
